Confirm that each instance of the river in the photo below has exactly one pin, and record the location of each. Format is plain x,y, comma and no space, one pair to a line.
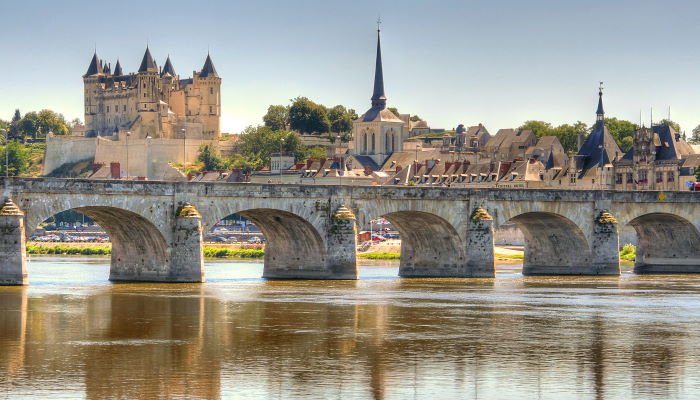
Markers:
72,334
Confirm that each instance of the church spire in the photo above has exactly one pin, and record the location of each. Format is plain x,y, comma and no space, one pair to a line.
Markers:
378,97
600,114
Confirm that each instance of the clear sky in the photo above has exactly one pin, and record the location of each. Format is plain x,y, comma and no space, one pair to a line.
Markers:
451,62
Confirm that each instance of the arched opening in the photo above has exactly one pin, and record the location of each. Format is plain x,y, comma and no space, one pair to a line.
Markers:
554,245
292,245
666,243
374,143
139,252
430,245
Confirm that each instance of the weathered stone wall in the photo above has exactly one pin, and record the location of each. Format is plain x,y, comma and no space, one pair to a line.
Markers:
13,259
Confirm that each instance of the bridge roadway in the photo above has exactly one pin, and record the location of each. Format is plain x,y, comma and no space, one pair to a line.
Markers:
156,227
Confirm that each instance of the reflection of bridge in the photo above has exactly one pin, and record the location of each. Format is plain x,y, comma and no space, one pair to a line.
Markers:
311,230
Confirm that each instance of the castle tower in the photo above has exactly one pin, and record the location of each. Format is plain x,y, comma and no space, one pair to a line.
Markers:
209,112
378,132
148,96
91,83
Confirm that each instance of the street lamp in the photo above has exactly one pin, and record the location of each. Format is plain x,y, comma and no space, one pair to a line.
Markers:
7,162
127,153
418,146
279,160
341,168
184,146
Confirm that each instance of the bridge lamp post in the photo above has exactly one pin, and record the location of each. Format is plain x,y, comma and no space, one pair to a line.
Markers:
341,163
7,162
127,153
279,162
184,146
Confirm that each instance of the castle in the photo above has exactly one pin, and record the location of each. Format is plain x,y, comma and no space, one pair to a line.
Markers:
136,124
152,102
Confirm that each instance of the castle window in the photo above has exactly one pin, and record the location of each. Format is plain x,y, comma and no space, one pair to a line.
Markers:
107,108
124,107
211,90
211,110
659,177
671,176
629,178
618,179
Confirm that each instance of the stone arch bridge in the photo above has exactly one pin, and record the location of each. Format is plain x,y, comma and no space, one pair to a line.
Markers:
156,227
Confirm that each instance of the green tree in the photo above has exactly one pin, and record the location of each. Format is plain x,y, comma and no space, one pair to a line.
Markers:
416,118
626,143
394,110
75,122
568,135
16,116
695,136
37,125
539,128
620,129
209,156
258,143
17,157
672,124
277,118
245,163
316,152
305,116
341,119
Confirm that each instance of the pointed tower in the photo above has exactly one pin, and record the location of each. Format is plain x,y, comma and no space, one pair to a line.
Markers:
148,89
209,110
95,66
378,132
118,69
147,63
600,148
168,68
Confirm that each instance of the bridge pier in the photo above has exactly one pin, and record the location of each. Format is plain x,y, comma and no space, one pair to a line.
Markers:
13,257
297,250
605,245
480,257
140,255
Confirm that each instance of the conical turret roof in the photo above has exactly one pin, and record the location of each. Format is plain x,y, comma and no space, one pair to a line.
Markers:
208,69
148,64
118,69
95,66
168,68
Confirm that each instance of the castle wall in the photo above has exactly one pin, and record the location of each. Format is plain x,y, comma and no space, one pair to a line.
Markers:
67,149
145,157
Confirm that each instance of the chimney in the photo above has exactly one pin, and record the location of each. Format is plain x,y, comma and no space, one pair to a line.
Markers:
398,168
115,170
368,170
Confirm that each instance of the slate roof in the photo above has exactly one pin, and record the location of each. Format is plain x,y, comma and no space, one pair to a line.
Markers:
591,152
118,69
168,68
147,63
208,69
95,66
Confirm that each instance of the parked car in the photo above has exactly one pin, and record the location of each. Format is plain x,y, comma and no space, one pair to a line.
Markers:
254,240
378,238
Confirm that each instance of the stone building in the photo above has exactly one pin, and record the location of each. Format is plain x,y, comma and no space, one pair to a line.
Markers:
152,102
378,132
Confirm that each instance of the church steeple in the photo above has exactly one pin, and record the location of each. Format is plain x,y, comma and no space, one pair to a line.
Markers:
600,114
378,97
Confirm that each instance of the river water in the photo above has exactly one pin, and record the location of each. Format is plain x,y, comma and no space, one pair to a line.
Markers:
71,334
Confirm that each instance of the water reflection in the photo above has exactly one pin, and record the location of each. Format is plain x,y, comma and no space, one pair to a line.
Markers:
382,338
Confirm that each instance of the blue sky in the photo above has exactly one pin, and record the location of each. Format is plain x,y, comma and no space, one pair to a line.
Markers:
451,62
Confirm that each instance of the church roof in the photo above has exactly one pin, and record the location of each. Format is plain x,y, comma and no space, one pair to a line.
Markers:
208,69
168,68
95,66
118,69
148,64
600,147
379,115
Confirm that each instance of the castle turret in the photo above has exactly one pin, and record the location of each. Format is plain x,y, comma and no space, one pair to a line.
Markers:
118,69
148,97
210,89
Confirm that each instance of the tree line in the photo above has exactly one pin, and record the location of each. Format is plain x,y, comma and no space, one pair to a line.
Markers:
622,131
36,124
307,117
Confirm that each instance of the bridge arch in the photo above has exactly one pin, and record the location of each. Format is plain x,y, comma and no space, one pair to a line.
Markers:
554,245
139,249
667,243
430,245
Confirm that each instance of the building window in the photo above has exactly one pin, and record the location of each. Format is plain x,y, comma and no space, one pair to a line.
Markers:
211,110
211,90
659,177
671,176
125,108
643,176
618,179
630,179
